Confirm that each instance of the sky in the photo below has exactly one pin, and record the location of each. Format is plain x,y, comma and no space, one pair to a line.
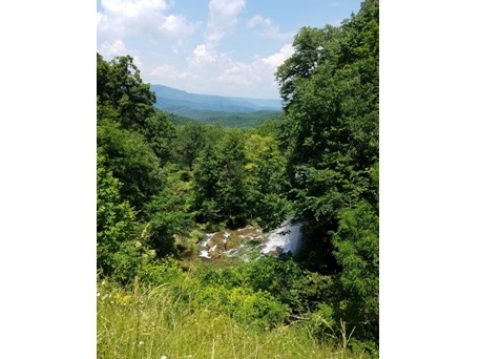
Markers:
219,47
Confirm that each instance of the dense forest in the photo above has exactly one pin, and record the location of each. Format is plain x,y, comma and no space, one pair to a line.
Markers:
164,182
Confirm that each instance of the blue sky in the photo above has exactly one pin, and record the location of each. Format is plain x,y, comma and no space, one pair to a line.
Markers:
223,47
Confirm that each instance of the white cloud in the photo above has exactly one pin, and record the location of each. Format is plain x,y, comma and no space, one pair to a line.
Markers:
129,18
259,20
137,61
168,72
133,8
280,57
270,30
241,74
114,48
256,78
203,68
218,73
201,55
223,17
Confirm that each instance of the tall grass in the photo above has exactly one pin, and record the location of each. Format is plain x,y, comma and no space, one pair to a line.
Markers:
155,323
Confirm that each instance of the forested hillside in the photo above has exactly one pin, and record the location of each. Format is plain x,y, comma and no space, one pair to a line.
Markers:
164,182
228,119
224,111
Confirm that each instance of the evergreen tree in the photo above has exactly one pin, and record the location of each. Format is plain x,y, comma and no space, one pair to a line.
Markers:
330,88
206,176
160,133
232,187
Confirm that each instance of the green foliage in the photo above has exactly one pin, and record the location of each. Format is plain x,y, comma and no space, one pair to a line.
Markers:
257,309
219,174
178,120
121,251
191,139
206,177
322,321
330,88
128,260
134,146
234,119
284,280
159,132
129,157
231,186
269,128
119,86
266,179
287,282
154,322
115,219
357,250
166,271
241,178
226,119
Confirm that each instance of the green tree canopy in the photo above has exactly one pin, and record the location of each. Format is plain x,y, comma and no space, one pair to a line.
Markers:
120,87
330,89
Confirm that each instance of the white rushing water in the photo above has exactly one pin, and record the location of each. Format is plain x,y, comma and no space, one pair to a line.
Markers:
286,238
205,254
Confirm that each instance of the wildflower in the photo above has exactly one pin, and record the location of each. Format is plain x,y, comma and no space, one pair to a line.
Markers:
141,342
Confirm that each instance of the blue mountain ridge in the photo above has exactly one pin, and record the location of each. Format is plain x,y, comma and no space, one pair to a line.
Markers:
180,102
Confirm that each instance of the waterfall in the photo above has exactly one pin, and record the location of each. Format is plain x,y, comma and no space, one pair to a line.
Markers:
237,243
286,238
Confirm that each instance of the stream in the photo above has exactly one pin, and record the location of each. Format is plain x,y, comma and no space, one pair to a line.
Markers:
241,242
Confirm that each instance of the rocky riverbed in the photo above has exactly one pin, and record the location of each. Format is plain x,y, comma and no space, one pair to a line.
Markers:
241,242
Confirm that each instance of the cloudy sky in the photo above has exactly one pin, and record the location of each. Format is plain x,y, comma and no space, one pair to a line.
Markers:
223,47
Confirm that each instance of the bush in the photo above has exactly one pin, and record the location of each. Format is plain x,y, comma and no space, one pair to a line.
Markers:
256,309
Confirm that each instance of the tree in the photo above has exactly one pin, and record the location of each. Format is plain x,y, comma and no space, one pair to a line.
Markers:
266,180
120,86
330,89
232,188
357,249
160,133
131,160
206,175
115,218
191,139
220,185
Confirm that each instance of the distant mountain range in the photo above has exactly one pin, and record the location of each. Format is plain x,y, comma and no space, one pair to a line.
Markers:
226,111
183,103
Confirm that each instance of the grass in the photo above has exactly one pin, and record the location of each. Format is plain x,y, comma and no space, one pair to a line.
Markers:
155,323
